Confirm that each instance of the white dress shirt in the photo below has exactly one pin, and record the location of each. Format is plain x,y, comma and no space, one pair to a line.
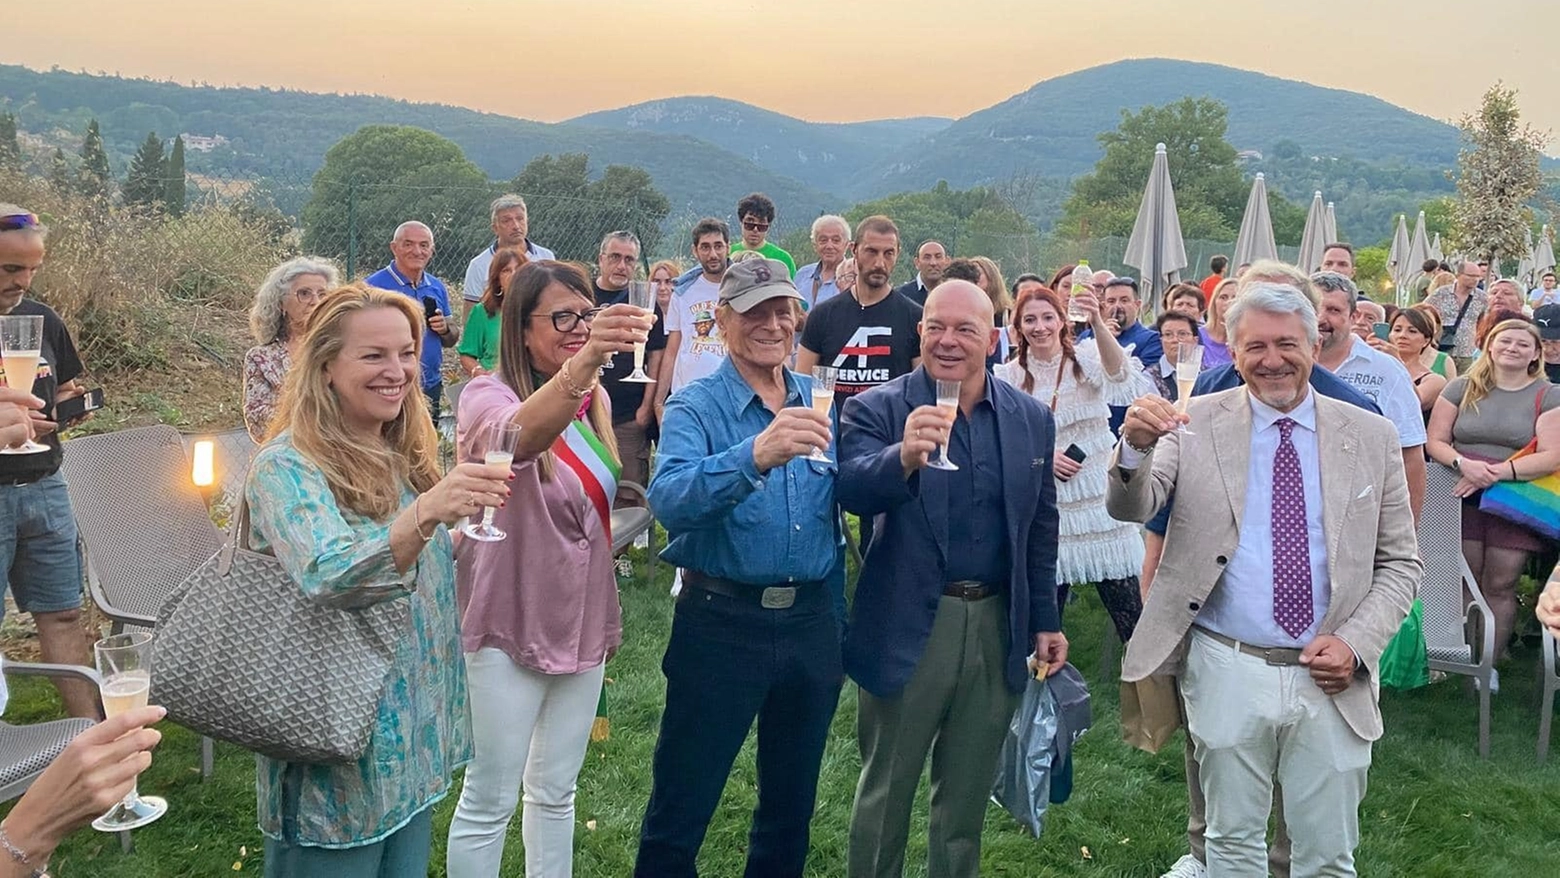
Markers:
1241,603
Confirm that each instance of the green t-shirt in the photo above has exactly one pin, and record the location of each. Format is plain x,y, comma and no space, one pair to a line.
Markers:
773,251
479,340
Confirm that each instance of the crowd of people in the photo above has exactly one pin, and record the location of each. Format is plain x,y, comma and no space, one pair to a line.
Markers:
999,447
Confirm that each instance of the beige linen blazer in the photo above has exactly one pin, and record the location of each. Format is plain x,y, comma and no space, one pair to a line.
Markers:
1372,546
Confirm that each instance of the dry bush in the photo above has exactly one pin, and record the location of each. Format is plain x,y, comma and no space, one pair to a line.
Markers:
138,291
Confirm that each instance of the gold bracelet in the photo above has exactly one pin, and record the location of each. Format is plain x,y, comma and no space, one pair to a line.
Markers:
572,389
417,520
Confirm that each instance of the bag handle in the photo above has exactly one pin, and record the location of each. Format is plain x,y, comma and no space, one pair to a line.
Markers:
238,533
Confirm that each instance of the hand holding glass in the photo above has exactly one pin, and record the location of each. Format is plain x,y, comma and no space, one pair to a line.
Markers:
124,662
498,449
21,346
822,397
948,402
641,294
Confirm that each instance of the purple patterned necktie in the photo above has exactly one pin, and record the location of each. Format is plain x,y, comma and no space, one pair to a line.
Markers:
1292,607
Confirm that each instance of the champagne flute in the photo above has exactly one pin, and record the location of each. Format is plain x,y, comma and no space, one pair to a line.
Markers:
21,346
948,403
124,662
641,294
498,449
822,398
1188,363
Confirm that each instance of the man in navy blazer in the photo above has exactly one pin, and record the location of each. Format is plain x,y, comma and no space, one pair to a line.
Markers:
957,587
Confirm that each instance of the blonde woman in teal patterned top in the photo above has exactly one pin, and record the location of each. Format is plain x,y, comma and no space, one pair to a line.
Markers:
348,497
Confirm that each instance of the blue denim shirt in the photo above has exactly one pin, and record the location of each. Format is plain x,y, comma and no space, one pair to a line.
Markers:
391,278
725,519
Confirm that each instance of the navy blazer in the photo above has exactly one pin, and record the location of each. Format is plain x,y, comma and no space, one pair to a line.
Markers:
902,577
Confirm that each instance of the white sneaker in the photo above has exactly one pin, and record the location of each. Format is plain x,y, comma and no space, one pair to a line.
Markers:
1187,867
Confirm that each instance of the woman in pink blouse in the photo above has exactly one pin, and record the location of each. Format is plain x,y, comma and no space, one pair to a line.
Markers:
539,609
281,310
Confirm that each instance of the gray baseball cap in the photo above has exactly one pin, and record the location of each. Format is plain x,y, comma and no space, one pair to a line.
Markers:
756,279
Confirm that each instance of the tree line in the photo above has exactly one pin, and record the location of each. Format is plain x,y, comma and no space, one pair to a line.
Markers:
155,181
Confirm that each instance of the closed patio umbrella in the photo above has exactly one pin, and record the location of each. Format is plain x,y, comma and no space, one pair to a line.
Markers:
1314,239
1332,226
1255,240
1156,247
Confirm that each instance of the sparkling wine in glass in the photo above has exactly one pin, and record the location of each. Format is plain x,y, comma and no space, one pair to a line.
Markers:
124,662
21,346
498,449
641,294
948,403
1188,363
822,397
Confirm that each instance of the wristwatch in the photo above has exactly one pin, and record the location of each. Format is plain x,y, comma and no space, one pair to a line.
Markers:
1457,463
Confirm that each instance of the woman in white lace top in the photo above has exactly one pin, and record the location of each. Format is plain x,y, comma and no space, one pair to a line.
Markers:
1078,382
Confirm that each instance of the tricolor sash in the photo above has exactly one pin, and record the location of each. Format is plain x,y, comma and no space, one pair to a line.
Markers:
578,448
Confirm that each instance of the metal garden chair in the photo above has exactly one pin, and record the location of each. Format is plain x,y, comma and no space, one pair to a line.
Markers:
144,525
1451,598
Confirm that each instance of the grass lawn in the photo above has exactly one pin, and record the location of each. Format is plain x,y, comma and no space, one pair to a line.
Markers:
1434,809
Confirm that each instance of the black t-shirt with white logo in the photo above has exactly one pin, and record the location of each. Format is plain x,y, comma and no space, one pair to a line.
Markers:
869,346
57,364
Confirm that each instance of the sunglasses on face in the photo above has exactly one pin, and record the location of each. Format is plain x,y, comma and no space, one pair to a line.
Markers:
755,225
566,321
18,221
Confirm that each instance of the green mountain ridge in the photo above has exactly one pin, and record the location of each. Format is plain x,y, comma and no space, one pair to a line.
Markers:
705,152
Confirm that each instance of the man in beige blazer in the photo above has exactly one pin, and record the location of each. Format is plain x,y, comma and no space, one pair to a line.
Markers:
1290,560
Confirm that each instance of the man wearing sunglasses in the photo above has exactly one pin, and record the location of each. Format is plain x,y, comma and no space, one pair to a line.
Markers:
37,527
757,213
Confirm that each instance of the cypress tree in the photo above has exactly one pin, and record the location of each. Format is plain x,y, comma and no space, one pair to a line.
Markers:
173,173
59,172
95,174
10,148
144,183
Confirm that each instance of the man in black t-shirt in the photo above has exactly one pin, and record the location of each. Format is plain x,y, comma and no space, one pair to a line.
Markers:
37,526
631,402
870,333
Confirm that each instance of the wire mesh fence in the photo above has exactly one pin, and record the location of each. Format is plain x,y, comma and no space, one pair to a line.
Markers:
151,291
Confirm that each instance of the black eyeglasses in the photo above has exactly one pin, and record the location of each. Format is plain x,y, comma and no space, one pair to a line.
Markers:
18,221
755,225
566,321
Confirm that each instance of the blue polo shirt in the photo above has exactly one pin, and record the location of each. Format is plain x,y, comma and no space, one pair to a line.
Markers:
391,278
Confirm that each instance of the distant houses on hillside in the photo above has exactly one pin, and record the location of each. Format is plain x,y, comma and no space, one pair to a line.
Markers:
202,143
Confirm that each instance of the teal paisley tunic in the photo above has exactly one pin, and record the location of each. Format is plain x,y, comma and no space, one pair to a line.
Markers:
422,732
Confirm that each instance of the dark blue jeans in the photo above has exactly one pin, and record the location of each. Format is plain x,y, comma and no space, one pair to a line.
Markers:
727,663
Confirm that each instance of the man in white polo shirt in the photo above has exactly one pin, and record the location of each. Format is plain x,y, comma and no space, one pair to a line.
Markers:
511,224
1380,376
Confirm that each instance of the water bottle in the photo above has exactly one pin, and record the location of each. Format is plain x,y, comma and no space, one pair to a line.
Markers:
1082,285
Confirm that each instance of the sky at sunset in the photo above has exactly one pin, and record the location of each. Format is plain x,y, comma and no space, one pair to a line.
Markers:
844,60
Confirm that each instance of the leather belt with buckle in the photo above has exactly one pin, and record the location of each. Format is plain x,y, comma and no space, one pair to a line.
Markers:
971,590
771,597
1277,656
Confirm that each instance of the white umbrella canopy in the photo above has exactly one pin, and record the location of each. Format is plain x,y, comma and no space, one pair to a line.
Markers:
1525,259
1156,247
1543,253
1435,249
1313,240
1255,240
1331,226
1418,246
1397,257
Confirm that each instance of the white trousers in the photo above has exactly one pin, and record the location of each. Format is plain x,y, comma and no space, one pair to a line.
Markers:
528,728
1252,723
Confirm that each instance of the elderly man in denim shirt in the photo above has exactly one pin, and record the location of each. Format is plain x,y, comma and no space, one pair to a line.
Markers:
752,522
